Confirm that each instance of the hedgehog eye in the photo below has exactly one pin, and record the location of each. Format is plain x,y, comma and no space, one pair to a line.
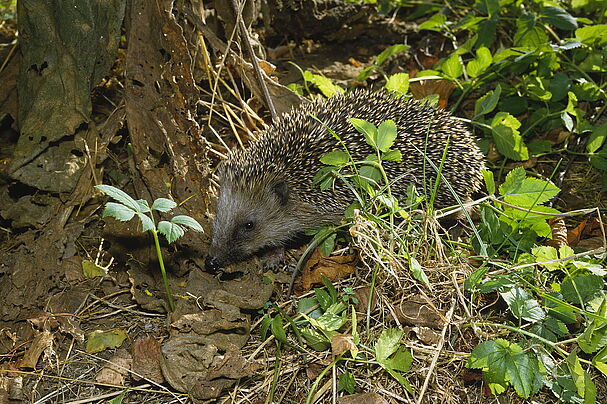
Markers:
248,226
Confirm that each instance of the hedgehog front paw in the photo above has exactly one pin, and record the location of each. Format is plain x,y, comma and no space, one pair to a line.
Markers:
274,259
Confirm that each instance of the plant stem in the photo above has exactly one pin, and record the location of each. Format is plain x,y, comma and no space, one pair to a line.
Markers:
165,280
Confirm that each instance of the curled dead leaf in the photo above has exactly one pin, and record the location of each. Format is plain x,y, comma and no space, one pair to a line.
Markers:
333,268
415,312
559,232
341,343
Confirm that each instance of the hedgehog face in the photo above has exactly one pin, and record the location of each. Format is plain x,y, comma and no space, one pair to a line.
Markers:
250,219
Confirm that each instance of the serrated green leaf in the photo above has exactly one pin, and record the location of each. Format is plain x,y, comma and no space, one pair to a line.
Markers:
527,192
146,222
324,84
592,34
507,137
118,211
98,340
119,195
398,82
487,102
144,207
392,50
452,66
522,305
368,130
386,134
187,221
337,158
163,205
597,138
387,343
278,329
171,231
547,253
558,17
585,387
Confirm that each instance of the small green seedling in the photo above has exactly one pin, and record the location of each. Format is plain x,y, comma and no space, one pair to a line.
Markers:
172,230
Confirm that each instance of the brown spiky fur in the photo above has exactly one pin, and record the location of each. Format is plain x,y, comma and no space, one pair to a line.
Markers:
266,196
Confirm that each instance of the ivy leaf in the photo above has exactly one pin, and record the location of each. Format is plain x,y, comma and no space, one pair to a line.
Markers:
119,195
507,137
387,343
118,211
172,231
163,205
187,221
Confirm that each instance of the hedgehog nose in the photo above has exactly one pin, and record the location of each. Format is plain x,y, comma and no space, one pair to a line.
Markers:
211,263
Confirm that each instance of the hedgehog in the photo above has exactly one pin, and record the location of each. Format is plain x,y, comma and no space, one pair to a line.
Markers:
267,197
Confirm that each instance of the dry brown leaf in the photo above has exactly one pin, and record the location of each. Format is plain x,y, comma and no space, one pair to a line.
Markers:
575,235
365,398
424,88
333,268
313,370
341,343
426,335
41,342
116,370
559,232
362,295
355,62
415,312
146,359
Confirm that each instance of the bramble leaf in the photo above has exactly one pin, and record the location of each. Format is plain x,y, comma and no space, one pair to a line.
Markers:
118,211
119,195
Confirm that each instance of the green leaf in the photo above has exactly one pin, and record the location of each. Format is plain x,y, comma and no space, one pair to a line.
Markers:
98,340
146,222
507,137
92,270
594,336
331,289
489,181
337,158
327,245
278,330
387,343
486,33
398,82
187,221
567,121
400,361
580,289
591,34
526,192
144,207
480,63
487,102
558,17
392,155
171,231
452,66
597,138
488,7
522,305
346,382
323,299
547,253
392,50
315,339
163,205
433,23
119,195
418,271
585,387
118,211
506,363
368,130
528,33
324,84
386,134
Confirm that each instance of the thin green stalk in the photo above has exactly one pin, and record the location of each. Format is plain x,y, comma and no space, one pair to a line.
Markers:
165,280
277,363
310,395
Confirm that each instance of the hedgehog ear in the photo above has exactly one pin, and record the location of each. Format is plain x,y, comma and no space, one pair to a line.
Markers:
281,189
